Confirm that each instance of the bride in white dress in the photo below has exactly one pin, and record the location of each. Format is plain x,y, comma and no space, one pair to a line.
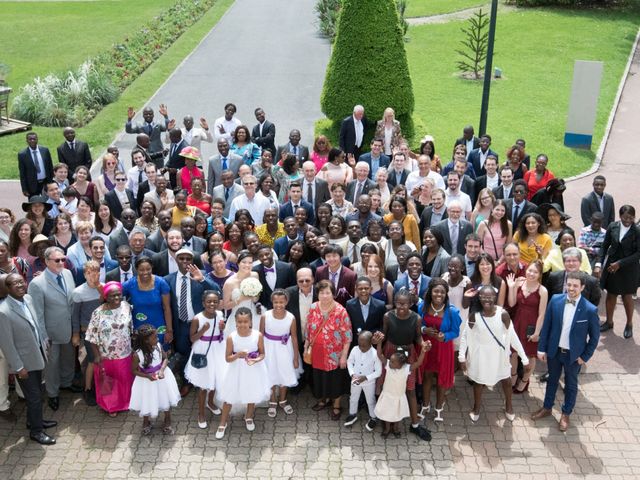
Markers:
232,299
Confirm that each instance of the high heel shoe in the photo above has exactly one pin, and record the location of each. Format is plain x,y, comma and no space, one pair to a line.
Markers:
474,416
516,391
510,416
423,410
438,417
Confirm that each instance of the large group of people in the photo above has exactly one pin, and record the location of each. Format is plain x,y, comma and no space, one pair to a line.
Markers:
268,268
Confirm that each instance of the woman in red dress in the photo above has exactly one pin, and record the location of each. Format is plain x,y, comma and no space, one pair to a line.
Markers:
441,325
198,197
531,298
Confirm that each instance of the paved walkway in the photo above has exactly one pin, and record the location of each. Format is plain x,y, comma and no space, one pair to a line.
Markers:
459,15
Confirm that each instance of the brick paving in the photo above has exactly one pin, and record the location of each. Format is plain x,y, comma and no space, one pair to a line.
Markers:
603,442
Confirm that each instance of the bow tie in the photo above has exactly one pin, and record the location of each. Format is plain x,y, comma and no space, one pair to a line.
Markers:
102,265
470,262
188,244
269,269
569,301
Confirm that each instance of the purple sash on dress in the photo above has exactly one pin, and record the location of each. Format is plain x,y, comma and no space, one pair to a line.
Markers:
251,355
151,369
278,338
213,338
107,183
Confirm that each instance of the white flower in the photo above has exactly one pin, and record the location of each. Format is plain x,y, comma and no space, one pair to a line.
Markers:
250,287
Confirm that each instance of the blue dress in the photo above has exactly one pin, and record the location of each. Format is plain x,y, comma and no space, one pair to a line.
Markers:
382,293
147,304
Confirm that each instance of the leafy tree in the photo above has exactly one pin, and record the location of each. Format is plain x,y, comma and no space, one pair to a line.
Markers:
476,42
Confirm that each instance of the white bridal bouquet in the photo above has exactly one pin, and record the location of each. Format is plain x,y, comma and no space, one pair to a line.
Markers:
250,287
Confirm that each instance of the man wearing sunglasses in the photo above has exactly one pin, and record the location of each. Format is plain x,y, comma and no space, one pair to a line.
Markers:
51,295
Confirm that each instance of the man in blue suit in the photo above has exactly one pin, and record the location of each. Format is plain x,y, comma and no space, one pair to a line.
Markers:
187,286
478,156
375,158
568,339
415,281
366,312
295,200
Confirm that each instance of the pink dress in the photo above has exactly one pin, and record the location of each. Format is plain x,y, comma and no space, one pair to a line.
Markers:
319,160
493,241
186,175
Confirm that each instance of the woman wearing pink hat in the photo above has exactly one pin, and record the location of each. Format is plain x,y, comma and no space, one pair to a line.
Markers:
190,171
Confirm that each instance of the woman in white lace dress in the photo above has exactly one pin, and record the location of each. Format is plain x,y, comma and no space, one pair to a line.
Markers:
232,298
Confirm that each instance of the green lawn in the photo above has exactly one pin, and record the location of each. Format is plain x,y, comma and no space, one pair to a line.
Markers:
536,50
423,8
101,131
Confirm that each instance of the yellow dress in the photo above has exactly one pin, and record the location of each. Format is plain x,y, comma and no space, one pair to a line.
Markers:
528,252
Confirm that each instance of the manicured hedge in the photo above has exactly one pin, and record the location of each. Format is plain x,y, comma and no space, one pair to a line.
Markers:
368,64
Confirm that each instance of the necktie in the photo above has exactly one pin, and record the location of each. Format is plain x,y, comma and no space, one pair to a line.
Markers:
269,269
72,146
295,151
183,312
334,278
358,193
414,290
36,163
354,253
225,166
173,149
226,194
569,301
294,208
515,215
310,192
126,276
61,283
149,129
453,233
139,177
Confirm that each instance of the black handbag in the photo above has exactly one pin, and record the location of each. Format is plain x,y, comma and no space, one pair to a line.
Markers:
199,360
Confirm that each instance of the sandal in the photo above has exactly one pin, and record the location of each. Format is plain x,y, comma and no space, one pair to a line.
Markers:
146,430
168,430
423,410
335,413
288,409
272,411
248,422
113,414
220,432
319,406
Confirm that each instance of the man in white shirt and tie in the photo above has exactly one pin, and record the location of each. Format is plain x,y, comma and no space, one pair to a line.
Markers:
504,190
361,184
136,174
352,132
314,190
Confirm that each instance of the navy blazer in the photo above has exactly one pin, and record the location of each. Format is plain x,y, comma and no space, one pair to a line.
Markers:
391,178
197,289
114,202
373,323
285,278
286,210
474,159
404,283
584,334
28,174
281,245
383,162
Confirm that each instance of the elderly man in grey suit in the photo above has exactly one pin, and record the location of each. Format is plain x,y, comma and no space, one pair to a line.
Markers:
51,294
149,127
227,190
223,161
24,340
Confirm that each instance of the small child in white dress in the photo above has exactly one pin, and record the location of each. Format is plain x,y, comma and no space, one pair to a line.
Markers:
392,404
246,380
207,335
364,368
155,388
281,351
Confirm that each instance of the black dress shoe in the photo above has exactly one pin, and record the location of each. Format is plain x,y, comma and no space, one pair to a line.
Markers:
43,439
54,403
605,327
45,424
544,377
628,331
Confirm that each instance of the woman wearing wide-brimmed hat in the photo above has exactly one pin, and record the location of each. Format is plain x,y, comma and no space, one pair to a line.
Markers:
554,217
190,171
36,209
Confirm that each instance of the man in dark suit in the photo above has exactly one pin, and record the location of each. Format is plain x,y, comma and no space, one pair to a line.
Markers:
479,155
519,205
363,215
434,213
272,275
124,271
468,139
454,229
314,190
73,152
393,273
361,184
150,128
556,282
415,281
35,166
120,236
187,286
23,342
165,262
264,133
568,339
365,311
196,244
281,245
343,278
295,200
137,238
175,161
505,190
352,132
398,173
156,242
598,201
151,172
221,162
375,158
491,179
294,146
98,249
120,197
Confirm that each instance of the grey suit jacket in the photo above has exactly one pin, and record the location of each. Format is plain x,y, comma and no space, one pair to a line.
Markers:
119,237
215,169
589,204
155,135
235,190
303,153
53,306
18,342
156,242
198,245
464,229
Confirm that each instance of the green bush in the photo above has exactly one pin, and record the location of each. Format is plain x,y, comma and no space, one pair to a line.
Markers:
368,64
566,3
328,11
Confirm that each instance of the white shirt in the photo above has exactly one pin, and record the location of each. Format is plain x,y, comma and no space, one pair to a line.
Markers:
470,146
129,274
305,189
483,157
173,264
492,182
305,302
123,198
256,207
229,128
133,183
462,197
196,136
359,131
414,180
270,277
179,277
506,191
567,322
42,174
364,363
623,231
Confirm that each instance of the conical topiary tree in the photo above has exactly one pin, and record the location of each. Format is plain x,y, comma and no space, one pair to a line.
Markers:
368,64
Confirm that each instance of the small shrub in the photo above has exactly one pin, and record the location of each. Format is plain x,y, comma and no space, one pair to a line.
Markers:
567,3
329,10
476,42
